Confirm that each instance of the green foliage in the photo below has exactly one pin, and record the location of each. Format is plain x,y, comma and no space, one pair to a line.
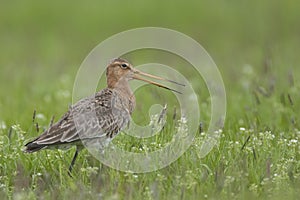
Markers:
255,46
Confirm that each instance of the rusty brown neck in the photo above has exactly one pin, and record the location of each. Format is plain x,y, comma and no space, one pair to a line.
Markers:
120,85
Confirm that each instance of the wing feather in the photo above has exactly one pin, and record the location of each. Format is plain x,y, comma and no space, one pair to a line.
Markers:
103,114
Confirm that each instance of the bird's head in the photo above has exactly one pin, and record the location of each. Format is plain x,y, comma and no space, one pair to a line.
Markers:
120,71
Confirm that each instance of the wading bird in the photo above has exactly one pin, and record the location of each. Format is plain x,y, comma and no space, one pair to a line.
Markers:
97,118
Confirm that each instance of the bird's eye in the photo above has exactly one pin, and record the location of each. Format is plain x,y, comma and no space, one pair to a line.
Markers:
124,66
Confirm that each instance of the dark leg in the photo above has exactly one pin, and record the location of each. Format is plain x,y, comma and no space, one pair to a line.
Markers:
73,162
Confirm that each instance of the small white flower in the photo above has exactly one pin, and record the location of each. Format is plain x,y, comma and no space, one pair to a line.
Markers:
242,129
135,176
2,125
40,116
293,141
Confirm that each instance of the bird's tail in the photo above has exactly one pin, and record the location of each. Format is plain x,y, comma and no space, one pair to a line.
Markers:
31,147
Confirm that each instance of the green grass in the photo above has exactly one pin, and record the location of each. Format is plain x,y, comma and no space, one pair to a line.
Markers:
256,47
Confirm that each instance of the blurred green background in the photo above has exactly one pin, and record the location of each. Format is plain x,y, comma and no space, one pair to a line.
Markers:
42,42
255,44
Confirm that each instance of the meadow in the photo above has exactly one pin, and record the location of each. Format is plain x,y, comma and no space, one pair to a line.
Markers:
256,48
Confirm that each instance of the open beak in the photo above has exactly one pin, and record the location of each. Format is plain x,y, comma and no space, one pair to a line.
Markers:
138,76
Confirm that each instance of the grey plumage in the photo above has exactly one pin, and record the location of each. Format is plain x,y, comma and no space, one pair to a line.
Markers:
102,115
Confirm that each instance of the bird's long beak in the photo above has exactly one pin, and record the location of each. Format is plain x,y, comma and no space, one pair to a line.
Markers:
138,75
